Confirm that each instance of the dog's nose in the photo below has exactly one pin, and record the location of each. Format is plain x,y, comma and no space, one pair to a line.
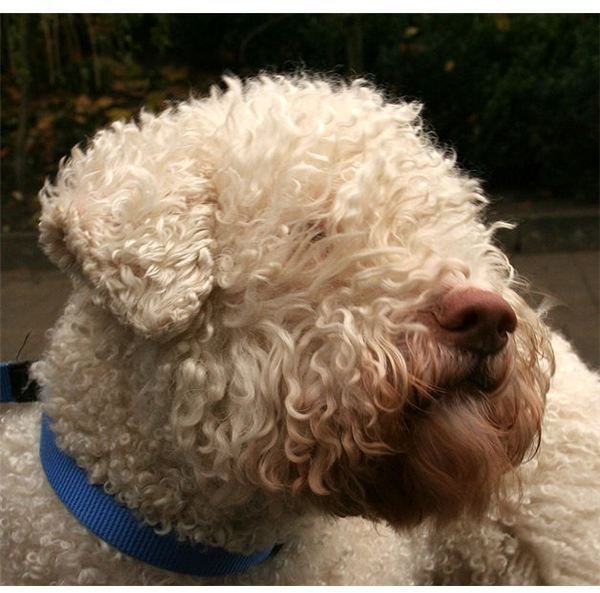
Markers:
475,319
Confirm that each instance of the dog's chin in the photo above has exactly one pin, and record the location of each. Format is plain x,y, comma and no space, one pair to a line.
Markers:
454,453
457,451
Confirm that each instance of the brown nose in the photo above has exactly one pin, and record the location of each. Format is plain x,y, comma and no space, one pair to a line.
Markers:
475,319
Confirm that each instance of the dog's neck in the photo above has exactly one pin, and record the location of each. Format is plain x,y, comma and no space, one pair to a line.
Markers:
119,430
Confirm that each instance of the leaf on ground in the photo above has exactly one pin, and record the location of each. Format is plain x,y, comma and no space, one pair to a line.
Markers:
136,86
104,102
174,73
117,113
82,103
45,121
155,100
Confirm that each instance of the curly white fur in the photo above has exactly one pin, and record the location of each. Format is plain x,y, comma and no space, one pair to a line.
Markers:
244,350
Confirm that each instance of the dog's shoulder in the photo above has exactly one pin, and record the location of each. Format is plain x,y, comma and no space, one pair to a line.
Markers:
560,513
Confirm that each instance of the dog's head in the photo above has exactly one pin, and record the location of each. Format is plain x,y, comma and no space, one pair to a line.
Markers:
329,316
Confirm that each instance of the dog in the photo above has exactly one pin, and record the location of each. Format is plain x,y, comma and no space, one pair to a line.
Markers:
293,341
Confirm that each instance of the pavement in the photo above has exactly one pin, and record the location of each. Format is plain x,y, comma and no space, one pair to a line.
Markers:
557,252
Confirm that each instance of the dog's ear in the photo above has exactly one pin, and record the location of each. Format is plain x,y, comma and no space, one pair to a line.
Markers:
140,235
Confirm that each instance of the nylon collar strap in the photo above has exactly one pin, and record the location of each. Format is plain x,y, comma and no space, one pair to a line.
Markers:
118,526
15,384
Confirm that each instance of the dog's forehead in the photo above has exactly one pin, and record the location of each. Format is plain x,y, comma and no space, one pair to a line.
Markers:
339,158
345,170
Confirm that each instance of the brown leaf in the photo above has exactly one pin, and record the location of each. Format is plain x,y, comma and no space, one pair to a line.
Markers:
82,103
118,113
45,122
155,100
449,66
104,102
174,73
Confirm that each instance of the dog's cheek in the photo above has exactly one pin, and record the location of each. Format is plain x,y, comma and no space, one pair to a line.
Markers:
337,424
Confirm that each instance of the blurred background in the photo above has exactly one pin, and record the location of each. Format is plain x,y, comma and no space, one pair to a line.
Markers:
516,95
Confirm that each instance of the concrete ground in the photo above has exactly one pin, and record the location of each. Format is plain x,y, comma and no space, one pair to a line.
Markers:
33,294
572,280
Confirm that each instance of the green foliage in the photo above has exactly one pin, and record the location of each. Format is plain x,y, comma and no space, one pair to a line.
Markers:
518,95
515,95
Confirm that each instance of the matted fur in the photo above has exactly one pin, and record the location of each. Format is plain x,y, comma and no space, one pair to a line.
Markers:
246,348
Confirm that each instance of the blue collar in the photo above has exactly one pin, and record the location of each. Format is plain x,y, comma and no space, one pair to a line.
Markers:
118,526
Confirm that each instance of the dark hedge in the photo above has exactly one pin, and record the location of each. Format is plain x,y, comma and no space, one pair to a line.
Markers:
515,95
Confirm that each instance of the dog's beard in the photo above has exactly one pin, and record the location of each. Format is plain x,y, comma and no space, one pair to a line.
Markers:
465,424
455,455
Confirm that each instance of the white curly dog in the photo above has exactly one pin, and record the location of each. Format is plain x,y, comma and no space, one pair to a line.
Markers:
290,325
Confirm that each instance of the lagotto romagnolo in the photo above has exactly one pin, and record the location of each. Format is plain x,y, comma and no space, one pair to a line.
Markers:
291,325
